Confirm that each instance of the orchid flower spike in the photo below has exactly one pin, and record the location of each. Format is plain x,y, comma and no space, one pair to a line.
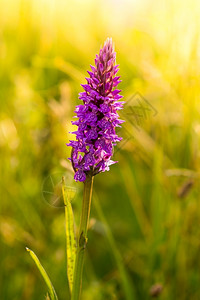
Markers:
97,117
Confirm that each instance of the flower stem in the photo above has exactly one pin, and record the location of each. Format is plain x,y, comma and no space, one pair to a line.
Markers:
82,238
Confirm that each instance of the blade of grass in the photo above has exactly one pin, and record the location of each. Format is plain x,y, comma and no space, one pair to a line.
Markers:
70,236
136,203
127,285
46,278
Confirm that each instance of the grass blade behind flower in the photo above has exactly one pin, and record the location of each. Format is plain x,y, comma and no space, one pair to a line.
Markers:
46,278
70,236
127,284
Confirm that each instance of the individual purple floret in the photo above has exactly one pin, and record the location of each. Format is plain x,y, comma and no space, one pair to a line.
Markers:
97,117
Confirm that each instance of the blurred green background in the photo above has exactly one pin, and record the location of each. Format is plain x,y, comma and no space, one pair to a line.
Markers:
144,236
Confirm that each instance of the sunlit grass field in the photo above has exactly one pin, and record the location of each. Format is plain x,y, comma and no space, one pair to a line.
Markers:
144,235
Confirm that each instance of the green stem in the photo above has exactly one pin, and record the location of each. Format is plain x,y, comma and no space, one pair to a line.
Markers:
82,238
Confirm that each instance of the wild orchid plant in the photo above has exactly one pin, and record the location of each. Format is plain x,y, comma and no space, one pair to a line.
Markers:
91,154
95,138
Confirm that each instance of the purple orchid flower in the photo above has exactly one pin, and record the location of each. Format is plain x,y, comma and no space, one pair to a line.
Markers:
97,117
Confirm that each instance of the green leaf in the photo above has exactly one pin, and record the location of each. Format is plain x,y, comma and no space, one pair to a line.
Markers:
46,278
70,236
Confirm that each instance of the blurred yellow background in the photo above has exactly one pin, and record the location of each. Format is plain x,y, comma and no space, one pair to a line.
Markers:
145,218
